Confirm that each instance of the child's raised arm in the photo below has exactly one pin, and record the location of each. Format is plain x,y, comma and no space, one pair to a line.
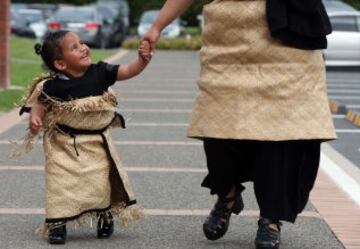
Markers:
138,65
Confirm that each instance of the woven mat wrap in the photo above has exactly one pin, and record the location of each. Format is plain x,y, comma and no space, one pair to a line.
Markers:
253,87
79,184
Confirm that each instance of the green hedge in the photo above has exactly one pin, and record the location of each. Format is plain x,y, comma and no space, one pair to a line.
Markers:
355,3
182,43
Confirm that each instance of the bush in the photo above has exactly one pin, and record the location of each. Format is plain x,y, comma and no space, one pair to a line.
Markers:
354,3
181,43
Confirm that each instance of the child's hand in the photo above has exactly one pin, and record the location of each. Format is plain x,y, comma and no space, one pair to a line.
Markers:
145,50
36,117
35,124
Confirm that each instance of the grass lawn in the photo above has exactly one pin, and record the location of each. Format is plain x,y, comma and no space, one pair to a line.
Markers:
26,65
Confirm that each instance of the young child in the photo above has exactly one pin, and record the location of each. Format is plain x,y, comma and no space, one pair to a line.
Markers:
75,108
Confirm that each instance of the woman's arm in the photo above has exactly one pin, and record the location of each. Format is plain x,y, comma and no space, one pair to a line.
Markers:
168,13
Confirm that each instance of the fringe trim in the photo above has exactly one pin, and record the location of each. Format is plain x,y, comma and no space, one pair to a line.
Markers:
105,102
125,215
128,214
30,91
24,146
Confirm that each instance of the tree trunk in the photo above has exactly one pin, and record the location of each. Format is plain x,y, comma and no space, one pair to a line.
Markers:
4,43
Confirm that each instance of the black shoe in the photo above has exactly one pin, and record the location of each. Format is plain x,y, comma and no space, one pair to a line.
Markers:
105,226
217,223
57,234
267,237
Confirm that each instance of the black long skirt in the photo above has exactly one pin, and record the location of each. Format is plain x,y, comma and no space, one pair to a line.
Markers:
283,172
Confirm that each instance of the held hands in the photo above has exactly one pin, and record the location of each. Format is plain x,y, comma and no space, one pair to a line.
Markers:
152,36
150,40
144,50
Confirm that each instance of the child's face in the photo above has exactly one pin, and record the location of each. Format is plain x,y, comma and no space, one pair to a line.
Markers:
76,55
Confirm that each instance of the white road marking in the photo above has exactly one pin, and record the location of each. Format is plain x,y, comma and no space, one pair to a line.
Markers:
181,100
352,131
341,178
353,106
128,168
154,143
343,97
343,91
143,92
338,116
343,86
158,124
155,212
156,110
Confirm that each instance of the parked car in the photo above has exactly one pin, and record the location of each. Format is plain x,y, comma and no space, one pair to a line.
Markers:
96,26
148,17
35,20
19,26
344,42
48,9
122,10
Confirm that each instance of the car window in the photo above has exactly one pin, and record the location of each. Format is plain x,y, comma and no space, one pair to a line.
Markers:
344,23
32,17
148,17
107,12
75,15
358,23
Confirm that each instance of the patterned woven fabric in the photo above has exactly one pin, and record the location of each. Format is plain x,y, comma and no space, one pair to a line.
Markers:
83,172
253,87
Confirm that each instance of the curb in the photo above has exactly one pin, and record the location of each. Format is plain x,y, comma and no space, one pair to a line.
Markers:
353,117
350,115
337,108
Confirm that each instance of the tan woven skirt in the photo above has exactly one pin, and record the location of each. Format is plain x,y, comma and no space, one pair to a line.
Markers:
253,87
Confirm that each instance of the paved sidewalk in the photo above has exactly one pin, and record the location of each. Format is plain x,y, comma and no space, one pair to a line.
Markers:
166,170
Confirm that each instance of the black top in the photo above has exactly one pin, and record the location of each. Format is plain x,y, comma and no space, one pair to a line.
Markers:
94,82
301,24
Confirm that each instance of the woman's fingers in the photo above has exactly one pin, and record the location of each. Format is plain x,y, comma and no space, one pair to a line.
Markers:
152,36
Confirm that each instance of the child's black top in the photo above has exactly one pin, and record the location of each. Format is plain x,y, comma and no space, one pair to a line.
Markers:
95,81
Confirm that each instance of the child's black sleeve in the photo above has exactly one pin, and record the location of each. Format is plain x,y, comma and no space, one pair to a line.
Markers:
48,91
109,72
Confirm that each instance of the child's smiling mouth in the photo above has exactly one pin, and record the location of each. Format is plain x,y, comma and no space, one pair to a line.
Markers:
85,56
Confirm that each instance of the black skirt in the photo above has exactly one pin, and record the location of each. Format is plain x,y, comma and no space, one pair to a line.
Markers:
283,172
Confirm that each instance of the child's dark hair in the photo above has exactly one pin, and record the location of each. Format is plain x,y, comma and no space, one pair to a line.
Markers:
50,50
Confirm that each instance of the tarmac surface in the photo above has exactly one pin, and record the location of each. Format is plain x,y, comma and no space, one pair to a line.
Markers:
165,169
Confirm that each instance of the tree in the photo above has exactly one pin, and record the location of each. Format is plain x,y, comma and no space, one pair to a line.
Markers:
4,43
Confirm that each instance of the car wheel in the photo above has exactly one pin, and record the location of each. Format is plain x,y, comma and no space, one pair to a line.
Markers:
102,42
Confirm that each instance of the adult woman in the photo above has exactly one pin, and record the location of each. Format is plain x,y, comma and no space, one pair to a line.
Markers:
262,108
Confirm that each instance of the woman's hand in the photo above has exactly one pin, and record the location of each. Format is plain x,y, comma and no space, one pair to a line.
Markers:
152,36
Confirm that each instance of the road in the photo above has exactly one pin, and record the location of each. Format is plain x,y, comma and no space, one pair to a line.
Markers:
166,170
344,87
